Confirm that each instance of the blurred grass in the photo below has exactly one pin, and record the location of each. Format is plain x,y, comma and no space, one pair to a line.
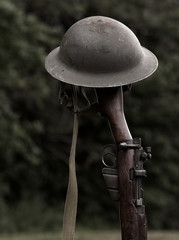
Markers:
88,235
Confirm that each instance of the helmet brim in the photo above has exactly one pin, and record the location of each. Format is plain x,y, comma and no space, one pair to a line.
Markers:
64,73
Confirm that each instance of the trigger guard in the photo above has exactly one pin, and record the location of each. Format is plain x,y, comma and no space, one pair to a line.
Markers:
113,161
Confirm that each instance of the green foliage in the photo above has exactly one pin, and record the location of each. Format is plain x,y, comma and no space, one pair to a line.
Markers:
27,137
36,132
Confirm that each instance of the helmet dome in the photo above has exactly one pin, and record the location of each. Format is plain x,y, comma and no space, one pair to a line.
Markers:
100,52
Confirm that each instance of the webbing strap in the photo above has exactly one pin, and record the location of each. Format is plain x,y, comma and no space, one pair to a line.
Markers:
70,211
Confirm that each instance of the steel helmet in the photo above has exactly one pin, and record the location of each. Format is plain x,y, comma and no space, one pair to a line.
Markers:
100,52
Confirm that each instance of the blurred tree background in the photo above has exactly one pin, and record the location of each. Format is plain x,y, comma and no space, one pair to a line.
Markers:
36,131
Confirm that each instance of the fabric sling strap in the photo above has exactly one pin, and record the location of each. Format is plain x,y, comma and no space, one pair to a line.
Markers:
70,211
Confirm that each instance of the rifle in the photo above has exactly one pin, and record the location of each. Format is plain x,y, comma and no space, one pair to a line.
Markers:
129,170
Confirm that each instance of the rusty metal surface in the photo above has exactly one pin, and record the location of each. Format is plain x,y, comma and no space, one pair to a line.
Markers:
100,52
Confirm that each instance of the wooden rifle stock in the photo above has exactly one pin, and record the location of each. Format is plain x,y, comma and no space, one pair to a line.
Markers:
133,222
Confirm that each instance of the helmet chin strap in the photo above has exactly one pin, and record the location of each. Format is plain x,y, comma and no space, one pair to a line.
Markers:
70,211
